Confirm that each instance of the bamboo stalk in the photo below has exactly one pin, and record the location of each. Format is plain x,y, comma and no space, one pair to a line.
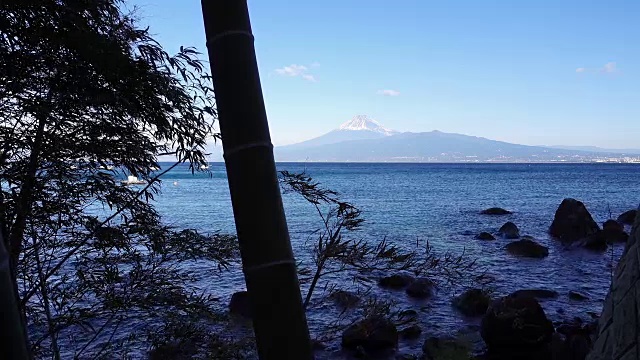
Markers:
279,320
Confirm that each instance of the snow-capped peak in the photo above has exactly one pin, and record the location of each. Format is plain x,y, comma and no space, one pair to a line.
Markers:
363,122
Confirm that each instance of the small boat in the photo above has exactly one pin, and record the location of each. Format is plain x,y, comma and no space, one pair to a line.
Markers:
204,167
132,180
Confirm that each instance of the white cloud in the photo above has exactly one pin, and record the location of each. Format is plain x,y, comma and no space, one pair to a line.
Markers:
389,92
295,70
581,70
610,67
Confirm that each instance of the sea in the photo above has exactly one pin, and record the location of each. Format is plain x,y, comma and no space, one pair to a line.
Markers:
439,204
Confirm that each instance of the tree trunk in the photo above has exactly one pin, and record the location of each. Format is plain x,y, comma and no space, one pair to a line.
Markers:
279,321
13,344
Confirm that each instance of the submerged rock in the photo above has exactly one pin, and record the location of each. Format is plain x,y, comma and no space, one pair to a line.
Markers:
411,332
527,248
239,304
516,325
473,302
485,236
495,211
536,293
373,334
509,231
628,217
344,299
574,295
572,221
420,288
396,281
445,348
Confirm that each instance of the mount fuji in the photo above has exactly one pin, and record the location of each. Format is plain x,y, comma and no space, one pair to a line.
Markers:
362,139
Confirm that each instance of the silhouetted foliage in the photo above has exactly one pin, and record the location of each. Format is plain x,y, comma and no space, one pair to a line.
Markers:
87,97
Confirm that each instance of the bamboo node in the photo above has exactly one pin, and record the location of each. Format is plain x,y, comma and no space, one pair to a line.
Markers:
268,265
248,146
228,33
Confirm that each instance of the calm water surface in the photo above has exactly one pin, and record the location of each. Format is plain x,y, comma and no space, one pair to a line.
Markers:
438,203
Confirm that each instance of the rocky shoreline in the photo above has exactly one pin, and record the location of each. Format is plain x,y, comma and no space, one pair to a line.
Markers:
513,326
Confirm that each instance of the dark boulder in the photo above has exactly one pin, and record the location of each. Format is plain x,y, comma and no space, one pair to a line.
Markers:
485,236
420,288
473,302
628,217
372,334
527,248
495,211
411,332
344,299
509,231
574,295
515,325
536,293
445,348
572,221
613,232
239,304
396,281
595,242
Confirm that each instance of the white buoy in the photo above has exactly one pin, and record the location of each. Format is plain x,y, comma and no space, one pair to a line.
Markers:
175,183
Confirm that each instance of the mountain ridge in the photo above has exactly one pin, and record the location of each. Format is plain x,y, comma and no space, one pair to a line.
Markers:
365,140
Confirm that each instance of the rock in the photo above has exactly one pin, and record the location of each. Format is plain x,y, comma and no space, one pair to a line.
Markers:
445,348
613,232
536,293
515,325
485,236
595,242
420,288
473,302
574,295
239,304
527,248
628,217
373,334
495,211
344,299
408,314
572,221
406,357
509,231
397,281
411,332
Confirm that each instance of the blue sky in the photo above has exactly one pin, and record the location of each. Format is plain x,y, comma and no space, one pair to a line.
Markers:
532,72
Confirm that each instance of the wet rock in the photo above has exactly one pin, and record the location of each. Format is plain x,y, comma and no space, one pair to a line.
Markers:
613,232
536,293
495,211
509,231
445,348
628,217
594,242
420,288
411,332
516,325
239,304
574,295
577,343
485,236
317,345
372,334
572,221
527,248
408,314
344,299
473,302
396,281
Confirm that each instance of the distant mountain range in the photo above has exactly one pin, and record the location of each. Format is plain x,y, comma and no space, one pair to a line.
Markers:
365,140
